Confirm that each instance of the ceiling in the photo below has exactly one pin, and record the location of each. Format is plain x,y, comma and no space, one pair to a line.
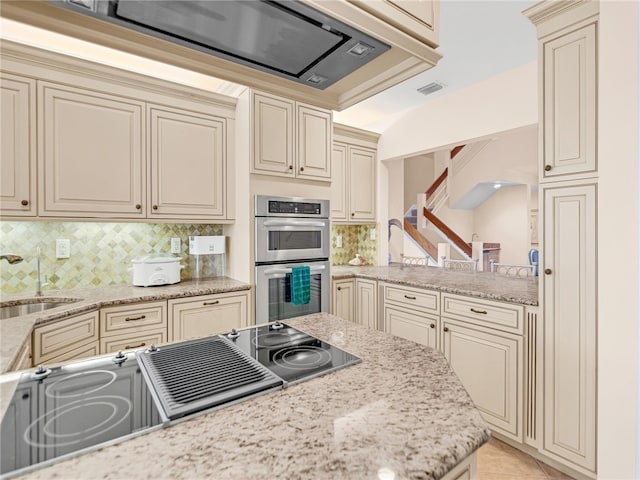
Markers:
478,39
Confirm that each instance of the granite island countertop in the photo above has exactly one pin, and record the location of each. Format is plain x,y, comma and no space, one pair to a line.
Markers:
14,332
401,409
487,285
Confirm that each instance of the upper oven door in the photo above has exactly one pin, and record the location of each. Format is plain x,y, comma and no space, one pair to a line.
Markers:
281,239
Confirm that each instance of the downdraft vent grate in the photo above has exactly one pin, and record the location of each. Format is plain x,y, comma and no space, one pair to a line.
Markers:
192,376
430,88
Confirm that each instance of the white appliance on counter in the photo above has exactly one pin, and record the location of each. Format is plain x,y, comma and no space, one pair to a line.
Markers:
207,256
153,270
290,232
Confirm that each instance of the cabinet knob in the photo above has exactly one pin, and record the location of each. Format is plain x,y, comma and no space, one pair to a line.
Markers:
24,203
433,325
290,167
446,329
302,169
155,207
353,214
339,288
138,206
547,168
547,271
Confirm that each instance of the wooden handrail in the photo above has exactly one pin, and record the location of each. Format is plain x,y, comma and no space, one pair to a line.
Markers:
456,150
434,186
428,247
450,234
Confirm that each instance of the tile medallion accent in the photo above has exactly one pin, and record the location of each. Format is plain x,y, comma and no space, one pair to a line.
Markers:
101,253
355,239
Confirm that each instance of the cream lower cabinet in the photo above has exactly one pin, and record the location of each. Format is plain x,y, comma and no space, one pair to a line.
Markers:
343,299
366,312
71,338
17,146
128,327
205,315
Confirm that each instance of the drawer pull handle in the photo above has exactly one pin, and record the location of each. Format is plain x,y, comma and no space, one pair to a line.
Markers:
133,319
433,325
212,303
446,329
129,347
483,312
409,297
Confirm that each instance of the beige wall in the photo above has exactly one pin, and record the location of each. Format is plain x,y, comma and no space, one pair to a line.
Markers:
418,176
503,218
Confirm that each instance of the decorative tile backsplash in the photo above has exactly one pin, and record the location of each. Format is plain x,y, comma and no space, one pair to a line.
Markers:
101,253
355,239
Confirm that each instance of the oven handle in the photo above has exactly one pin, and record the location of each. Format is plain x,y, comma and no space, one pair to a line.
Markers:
292,223
280,271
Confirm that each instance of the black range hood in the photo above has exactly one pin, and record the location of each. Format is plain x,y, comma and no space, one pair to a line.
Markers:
285,38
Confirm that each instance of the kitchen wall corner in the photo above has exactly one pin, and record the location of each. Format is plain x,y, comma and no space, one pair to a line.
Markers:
355,239
101,253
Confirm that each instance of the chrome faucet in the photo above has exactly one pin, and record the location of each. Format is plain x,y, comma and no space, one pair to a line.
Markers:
39,283
11,258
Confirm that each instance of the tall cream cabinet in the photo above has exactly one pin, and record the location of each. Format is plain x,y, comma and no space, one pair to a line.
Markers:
343,298
568,45
18,146
353,188
111,143
290,139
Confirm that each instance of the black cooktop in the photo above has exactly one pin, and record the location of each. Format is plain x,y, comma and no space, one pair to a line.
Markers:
289,353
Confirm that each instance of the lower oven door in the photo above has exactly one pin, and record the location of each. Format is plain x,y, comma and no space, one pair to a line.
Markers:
273,291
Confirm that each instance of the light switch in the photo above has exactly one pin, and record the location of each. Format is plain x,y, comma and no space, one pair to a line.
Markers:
175,245
372,234
339,241
63,248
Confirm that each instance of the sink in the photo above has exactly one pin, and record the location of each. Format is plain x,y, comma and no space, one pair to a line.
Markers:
30,306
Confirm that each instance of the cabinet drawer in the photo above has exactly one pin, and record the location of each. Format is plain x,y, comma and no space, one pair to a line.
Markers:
127,341
503,316
424,300
116,320
55,339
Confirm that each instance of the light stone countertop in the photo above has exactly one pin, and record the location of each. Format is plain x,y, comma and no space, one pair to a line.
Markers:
402,409
14,332
487,285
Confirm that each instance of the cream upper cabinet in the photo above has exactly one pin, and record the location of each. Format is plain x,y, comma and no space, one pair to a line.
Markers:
92,157
188,167
570,344
353,188
569,106
418,18
17,146
206,315
343,302
290,139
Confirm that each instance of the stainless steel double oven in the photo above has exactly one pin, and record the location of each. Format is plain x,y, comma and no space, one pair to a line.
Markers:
290,232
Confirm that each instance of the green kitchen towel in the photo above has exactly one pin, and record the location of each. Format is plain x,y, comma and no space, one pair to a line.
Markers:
300,285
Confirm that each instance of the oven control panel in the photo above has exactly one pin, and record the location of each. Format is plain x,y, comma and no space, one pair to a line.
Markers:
294,207
270,206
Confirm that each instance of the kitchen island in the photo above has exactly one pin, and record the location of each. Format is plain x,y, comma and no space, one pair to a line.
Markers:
401,413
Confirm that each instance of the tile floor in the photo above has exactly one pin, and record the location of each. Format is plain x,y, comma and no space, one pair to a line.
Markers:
499,461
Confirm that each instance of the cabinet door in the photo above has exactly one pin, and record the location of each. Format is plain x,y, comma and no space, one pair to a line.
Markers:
314,143
344,299
362,184
91,153
411,325
569,109
569,289
273,135
208,315
188,164
18,146
54,340
339,178
367,303
489,365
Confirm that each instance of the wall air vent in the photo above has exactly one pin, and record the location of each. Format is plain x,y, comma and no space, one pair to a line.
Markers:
430,88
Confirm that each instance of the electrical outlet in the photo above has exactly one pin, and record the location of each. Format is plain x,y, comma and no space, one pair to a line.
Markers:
372,234
339,241
63,248
175,245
